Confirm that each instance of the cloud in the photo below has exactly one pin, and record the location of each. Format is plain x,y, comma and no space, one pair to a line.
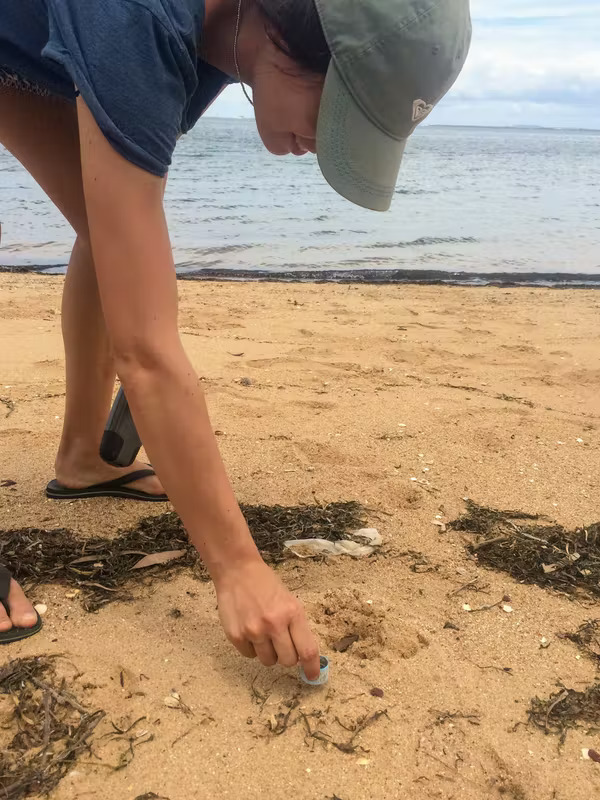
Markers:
532,62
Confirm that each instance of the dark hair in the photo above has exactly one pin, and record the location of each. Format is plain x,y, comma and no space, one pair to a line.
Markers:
294,26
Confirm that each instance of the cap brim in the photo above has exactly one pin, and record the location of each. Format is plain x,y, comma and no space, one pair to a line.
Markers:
356,157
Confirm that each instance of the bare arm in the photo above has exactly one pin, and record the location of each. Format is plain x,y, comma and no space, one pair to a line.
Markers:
136,277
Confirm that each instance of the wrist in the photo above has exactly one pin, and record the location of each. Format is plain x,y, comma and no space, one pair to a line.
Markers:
223,570
231,553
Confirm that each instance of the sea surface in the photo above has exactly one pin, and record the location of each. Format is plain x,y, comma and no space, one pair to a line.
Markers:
473,205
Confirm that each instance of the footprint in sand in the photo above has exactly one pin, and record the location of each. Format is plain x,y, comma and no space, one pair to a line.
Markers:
344,614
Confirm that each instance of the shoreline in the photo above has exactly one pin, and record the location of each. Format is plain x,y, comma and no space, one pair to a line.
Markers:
366,277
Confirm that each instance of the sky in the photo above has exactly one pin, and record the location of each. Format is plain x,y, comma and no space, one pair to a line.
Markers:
532,62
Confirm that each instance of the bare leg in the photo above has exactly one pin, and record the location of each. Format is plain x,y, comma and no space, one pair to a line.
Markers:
42,133
89,380
90,377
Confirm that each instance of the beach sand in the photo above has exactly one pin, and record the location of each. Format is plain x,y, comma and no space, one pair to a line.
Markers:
489,393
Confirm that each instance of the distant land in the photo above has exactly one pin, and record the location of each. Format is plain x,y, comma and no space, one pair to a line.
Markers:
479,127
517,128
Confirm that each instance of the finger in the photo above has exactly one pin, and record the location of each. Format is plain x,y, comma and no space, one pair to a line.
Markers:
284,647
245,647
5,623
265,652
307,647
21,610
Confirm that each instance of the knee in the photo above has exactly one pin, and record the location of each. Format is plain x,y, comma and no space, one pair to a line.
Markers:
82,249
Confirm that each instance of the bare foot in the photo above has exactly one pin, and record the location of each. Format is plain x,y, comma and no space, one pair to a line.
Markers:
79,476
22,614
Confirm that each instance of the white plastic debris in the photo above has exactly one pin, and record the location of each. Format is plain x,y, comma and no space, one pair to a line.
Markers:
41,609
362,543
467,607
508,609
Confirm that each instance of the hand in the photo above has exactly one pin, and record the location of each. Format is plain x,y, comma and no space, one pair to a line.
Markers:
262,619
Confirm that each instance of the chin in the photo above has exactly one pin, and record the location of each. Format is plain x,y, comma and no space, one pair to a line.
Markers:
277,149
276,145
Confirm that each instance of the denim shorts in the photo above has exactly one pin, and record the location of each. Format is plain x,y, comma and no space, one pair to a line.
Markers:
11,80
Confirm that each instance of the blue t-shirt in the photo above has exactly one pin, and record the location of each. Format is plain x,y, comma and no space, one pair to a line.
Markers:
135,62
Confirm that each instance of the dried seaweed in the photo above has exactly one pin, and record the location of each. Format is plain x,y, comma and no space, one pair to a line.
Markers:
567,709
52,728
587,639
545,554
347,746
103,568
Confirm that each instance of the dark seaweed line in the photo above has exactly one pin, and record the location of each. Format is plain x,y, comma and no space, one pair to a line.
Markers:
555,280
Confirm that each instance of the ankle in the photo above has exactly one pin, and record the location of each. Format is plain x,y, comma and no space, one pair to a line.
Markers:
75,455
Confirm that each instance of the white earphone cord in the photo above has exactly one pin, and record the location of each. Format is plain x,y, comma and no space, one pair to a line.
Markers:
235,52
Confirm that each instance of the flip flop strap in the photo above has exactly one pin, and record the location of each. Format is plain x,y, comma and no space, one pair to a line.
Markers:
5,578
136,475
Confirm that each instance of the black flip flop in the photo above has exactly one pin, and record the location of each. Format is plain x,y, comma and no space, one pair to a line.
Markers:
14,634
116,488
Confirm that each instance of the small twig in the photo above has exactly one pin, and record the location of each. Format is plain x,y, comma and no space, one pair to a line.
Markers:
354,696
122,732
488,542
183,735
345,727
557,702
61,698
462,588
305,721
260,698
378,511
98,586
506,670
46,718
439,760
487,608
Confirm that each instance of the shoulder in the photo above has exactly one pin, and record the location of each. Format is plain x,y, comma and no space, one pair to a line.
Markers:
133,61
179,19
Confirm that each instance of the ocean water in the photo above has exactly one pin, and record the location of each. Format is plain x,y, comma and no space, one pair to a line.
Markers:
472,205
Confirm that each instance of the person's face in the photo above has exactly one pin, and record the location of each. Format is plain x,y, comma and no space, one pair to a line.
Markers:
286,103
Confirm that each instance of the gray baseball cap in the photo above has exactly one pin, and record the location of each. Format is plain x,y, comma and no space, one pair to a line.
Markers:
392,61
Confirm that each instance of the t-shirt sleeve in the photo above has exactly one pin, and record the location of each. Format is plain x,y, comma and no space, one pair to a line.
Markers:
128,67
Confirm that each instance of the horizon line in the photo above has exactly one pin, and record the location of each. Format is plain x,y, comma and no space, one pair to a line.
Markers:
530,127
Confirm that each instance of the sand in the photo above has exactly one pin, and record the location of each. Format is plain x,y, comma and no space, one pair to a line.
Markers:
355,392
